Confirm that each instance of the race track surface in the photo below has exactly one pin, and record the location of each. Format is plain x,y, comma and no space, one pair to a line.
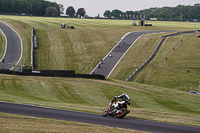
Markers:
129,123
110,61
13,50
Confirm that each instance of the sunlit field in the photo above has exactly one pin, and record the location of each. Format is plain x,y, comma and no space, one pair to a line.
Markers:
159,92
171,73
82,48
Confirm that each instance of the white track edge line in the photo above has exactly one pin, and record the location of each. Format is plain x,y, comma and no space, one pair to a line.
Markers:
110,51
5,45
123,56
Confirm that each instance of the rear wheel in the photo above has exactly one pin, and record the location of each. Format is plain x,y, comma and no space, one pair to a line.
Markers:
123,113
105,112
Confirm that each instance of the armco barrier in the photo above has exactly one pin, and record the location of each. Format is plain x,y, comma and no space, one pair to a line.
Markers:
52,73
34,46
49,71
155,51
32,49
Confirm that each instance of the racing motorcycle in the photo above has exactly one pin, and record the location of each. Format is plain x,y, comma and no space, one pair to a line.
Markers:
122,110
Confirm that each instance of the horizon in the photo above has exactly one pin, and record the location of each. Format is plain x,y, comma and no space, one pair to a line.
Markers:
93,8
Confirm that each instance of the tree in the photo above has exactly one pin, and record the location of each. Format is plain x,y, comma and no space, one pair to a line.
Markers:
35,7
70,11
81,12
38,9
57,6
51,12
2,6
107,14
115,13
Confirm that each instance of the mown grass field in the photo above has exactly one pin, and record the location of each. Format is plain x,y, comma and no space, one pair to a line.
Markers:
171,73
82,48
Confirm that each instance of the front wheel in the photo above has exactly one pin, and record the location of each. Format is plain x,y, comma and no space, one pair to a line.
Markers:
122,113
105,112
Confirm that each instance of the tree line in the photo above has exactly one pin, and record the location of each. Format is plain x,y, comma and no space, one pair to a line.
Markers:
33,7
180,12
72,13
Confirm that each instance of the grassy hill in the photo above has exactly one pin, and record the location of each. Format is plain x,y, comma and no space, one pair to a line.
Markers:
74,49
147,102
82,48
171,73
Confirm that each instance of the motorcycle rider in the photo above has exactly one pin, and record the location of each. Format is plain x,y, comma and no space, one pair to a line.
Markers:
125,98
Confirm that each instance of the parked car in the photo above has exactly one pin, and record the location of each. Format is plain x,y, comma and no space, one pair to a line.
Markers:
194,92
198,35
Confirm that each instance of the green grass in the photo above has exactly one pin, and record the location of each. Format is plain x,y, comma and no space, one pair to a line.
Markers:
2,44
74,49
186,56
169,74
173,72
147,102
82,48
18,124
69,49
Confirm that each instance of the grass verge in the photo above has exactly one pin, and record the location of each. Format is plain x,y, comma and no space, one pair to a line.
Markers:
15,123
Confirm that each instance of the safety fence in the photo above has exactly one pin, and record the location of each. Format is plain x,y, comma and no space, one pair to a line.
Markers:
155,51
34,46
52,73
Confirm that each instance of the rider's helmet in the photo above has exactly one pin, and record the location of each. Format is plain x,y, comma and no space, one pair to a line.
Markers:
124,94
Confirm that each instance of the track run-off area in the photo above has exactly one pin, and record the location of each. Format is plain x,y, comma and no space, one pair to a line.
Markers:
13,53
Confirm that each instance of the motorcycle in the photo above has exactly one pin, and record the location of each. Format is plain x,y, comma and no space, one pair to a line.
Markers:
122,110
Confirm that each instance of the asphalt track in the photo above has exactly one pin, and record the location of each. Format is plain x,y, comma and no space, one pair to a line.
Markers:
128,123
115,55
13,50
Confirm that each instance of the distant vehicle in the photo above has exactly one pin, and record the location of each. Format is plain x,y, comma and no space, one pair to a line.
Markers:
134,24
194,92
198,35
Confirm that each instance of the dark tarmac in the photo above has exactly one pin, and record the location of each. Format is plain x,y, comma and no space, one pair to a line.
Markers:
128,123
13,48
